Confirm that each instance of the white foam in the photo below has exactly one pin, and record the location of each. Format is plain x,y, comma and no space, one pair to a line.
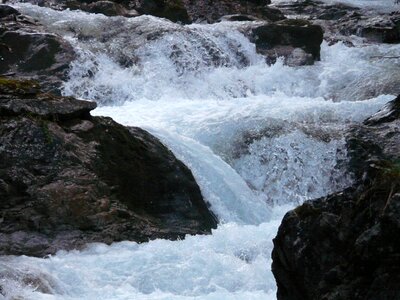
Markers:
287,148
259,139
379,5
232,263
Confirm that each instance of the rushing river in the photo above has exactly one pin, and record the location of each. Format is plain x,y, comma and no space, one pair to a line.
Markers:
259,140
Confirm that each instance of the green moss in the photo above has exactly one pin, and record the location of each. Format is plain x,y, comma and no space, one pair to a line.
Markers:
15,86
391,170
46,132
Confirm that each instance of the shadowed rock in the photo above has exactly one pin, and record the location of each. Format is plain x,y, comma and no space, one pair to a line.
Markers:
182,11
340,21
27,51
68,179
211,10
347,245
298,41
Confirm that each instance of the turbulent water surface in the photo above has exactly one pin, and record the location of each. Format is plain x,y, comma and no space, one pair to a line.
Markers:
379,5
259,140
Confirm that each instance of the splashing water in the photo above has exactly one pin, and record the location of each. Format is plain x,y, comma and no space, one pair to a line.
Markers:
379,5
259,140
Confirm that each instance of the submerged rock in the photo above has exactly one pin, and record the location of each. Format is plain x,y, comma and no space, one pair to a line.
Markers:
347,245
68,179
27,51
12,278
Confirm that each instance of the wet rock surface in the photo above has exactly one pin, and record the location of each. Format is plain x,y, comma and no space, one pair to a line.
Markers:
340,21
347,245
182,11
27,51
211,10
68,179
297,41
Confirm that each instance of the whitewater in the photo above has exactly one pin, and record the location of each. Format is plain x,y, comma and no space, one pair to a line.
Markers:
259,140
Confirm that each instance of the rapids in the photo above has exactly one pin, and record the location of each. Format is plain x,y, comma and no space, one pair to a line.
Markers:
259,140
379,5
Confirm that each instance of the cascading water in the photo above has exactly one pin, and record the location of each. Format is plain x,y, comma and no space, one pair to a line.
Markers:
379,5
259,140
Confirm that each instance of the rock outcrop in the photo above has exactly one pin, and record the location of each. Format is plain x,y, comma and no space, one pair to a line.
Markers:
68,179
340,21
27,51
212,11
298,41
347,245
182,11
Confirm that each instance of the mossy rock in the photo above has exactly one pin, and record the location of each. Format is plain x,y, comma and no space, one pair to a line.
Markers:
19,87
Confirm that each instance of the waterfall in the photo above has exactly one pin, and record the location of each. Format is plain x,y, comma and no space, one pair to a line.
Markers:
259,140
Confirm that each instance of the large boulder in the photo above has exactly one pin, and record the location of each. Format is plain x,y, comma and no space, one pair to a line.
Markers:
107,8
27,51
298,41
68,179
347,245
173,10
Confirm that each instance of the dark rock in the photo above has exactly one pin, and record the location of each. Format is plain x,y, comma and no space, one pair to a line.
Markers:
340,21
381,29
182,11
6,11
238,18
68,179
297,40
31,102
347,245
109,8
28,52
173,10
390,113
212,10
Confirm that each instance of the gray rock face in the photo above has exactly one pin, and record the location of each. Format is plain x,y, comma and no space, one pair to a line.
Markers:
347,245
28,52
68,179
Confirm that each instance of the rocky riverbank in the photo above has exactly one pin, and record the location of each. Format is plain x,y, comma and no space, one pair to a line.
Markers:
68,179
182,11
28,51
346,245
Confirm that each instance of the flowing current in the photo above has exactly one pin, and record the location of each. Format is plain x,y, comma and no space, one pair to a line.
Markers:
259,140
